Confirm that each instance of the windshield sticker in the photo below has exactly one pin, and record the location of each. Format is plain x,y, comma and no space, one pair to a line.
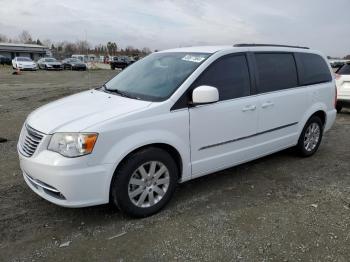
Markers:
193,58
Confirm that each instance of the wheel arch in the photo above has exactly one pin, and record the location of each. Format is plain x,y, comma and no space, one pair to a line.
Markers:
322,115
319,110
167,147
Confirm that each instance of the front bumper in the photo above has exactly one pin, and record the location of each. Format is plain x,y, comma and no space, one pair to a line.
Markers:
54,67
22,68
79,67
68,182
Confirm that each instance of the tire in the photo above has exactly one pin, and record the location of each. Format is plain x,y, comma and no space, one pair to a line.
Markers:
339,108
134,198
313,130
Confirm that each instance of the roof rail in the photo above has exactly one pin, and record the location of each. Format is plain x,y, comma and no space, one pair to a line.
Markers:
262,45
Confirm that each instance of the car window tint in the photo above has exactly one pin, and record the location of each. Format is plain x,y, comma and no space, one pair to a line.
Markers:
313,69
276,71
230,75
344,70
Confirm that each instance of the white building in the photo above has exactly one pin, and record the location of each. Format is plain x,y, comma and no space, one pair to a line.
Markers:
35,52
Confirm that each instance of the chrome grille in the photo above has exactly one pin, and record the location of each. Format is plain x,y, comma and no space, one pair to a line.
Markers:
30,140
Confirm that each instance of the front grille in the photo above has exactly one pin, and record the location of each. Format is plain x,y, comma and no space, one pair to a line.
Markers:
30,140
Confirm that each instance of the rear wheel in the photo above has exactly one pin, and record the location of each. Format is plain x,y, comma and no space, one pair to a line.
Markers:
311,136
145,182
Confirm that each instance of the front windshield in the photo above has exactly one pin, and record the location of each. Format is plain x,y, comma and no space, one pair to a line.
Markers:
50,60
157,76
24,59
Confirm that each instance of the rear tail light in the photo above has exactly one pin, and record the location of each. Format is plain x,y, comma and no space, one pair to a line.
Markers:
337,76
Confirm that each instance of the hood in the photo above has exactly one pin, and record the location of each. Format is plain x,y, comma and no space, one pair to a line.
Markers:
25,63
80,111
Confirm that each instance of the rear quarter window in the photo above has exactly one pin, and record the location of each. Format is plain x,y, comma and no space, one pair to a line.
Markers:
344,70
313,69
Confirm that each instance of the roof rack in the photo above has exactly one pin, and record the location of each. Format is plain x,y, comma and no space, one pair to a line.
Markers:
262,45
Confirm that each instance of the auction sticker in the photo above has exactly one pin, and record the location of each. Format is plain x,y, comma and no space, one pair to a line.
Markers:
193,58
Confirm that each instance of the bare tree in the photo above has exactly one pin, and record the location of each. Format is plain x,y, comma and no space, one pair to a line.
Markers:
47,42
83,46
3,38
25,37
146,51
69,49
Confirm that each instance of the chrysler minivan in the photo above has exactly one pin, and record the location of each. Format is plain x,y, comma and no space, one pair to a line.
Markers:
173,116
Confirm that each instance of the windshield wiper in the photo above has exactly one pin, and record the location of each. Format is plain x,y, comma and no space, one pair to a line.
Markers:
119,92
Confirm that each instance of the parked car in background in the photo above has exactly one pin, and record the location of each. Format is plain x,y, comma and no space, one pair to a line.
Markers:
73,64
343,86
23,63
5,60
174,116
101,58
120,62
49,63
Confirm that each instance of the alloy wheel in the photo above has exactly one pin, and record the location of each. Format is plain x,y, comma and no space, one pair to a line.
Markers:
148,184
312,137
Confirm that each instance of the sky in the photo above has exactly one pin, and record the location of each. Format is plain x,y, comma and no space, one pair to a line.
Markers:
163,24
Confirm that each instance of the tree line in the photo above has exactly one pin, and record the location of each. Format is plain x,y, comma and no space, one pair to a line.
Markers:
63,49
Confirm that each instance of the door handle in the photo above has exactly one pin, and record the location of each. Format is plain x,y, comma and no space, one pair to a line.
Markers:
267,104
249,108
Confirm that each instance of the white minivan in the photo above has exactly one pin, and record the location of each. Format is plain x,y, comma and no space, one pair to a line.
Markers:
173,116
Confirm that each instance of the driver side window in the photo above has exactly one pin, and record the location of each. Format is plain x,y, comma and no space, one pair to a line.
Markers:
230,75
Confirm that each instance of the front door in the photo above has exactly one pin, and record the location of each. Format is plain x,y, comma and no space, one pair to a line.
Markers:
221,133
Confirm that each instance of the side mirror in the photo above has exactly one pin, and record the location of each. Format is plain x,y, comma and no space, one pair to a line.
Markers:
205,95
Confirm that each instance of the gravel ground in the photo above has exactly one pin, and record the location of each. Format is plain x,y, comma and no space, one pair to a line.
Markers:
278,208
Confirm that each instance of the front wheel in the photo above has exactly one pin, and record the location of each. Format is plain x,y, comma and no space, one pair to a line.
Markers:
145,182
310,138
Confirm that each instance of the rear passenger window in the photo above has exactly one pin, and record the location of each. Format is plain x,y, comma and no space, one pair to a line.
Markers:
230,75
313,69
276,71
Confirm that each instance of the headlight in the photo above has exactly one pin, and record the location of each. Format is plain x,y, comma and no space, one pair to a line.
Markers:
72,144
48,65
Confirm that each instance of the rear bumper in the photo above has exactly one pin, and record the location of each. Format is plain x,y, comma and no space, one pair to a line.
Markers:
344,101
66,182
330,119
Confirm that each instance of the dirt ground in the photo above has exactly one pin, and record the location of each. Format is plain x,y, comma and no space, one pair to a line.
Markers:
278,208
